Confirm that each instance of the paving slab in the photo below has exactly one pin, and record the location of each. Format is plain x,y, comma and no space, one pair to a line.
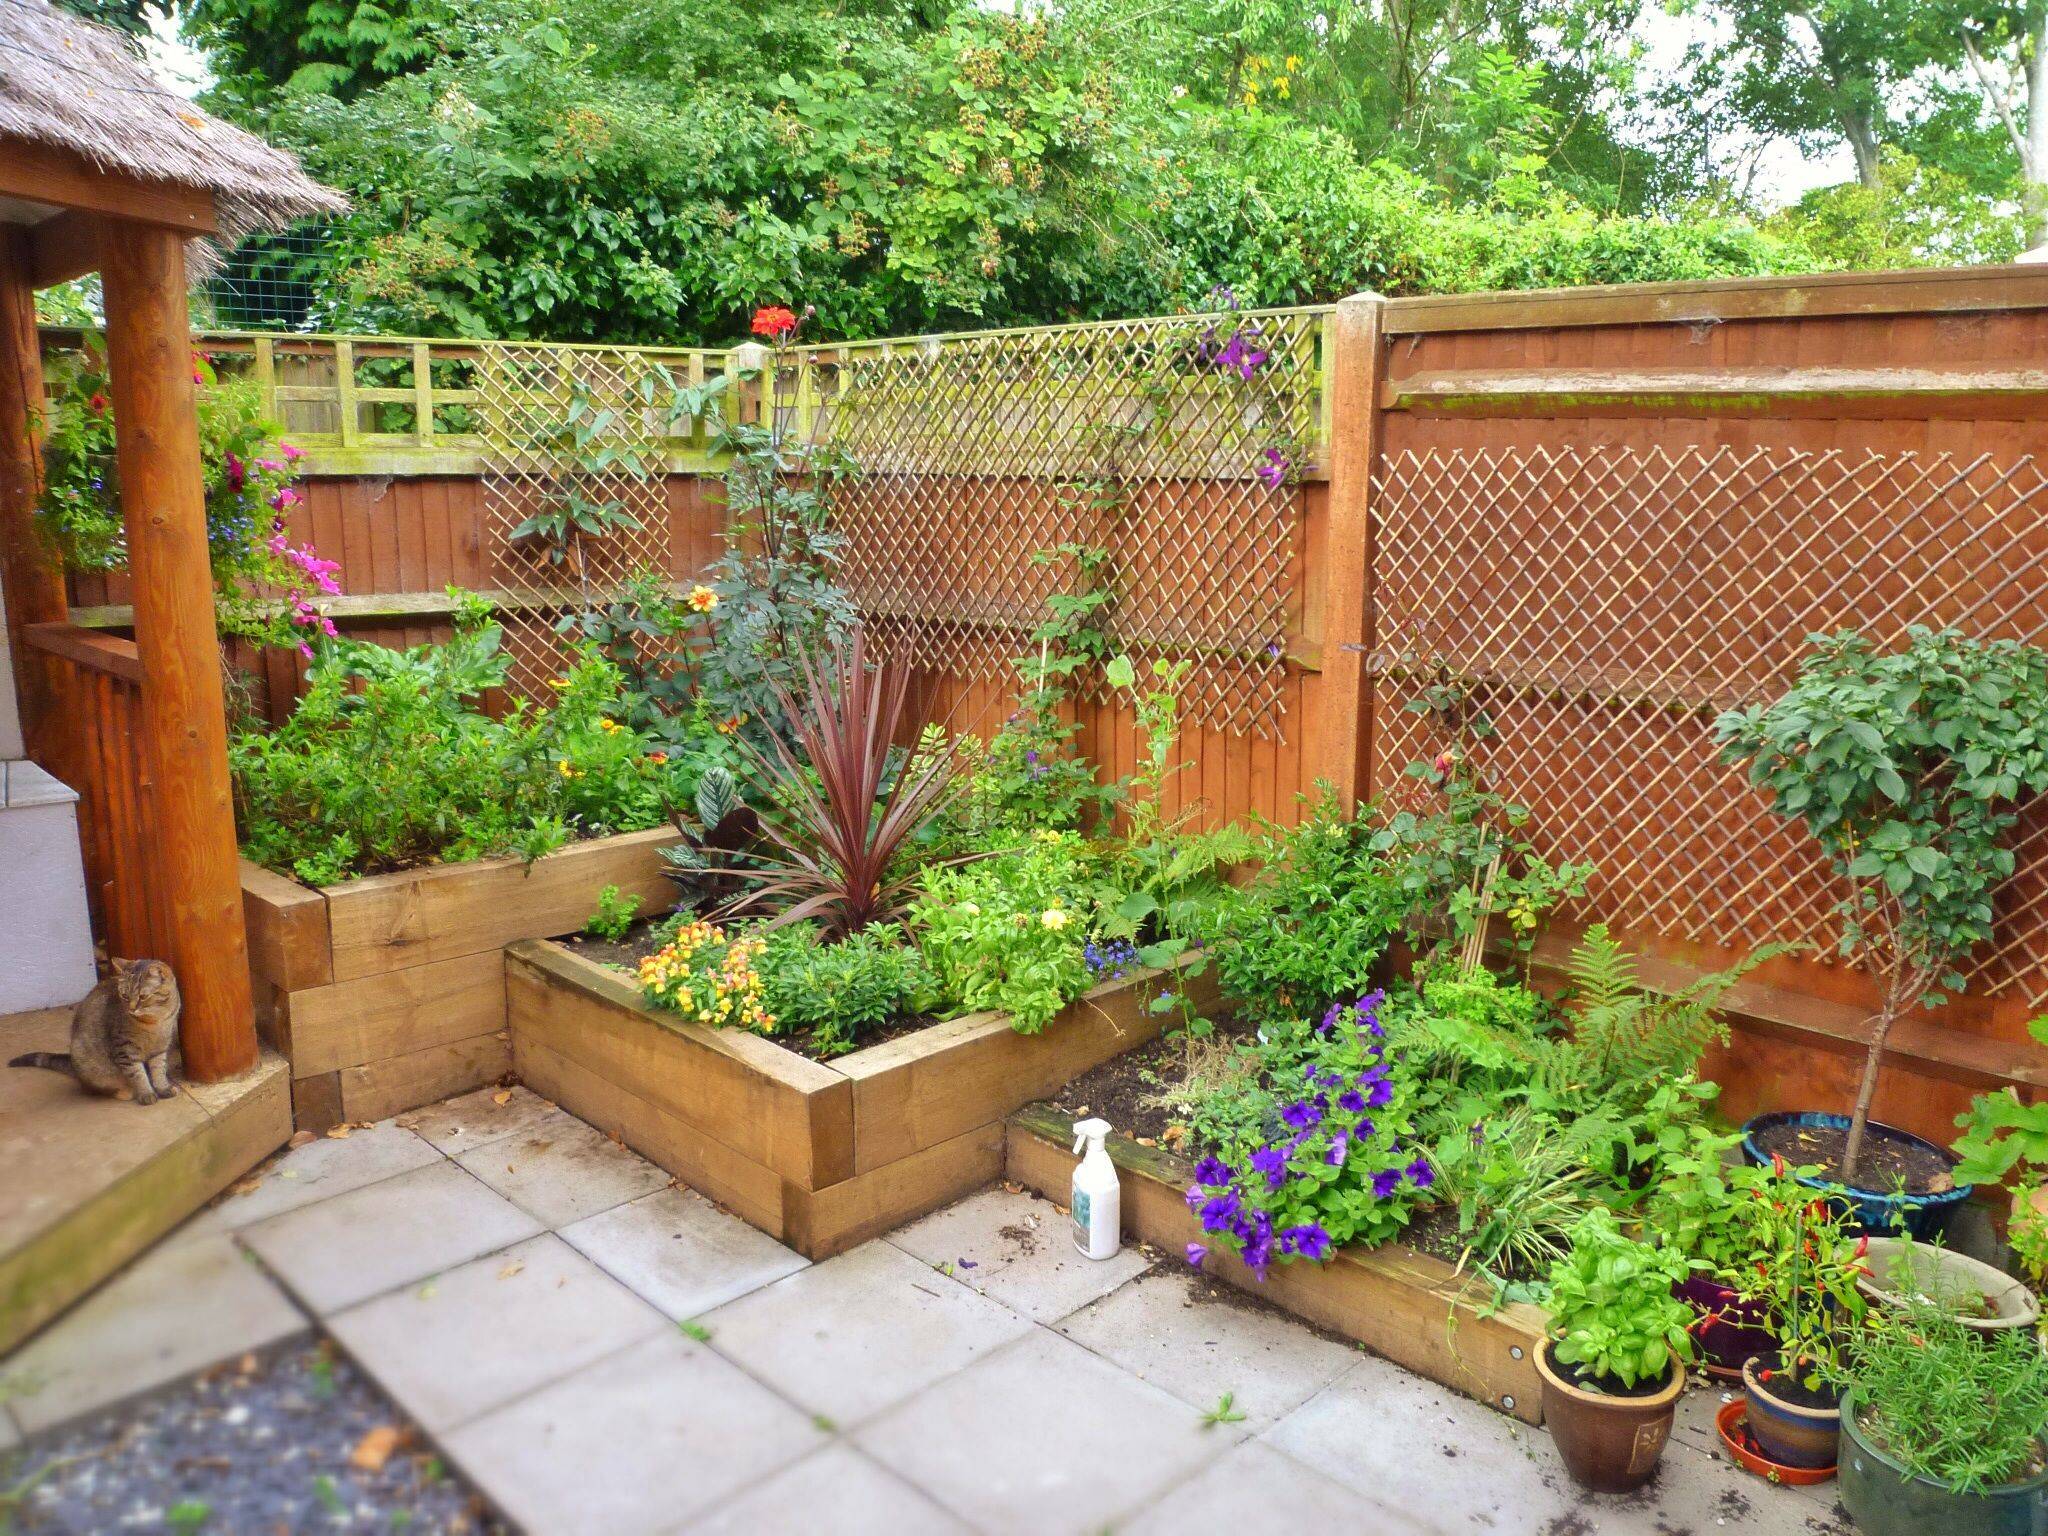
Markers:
859,1332
493,1329
680,1252
864,1500
636,1444
477,1119
1253,1488
169,1315
322,1168
1190,1336
396,1232
1040,1437
1442,1459
562,1170
1018,1249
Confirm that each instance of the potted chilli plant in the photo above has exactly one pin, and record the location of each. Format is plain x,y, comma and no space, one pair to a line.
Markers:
1908,769
1943,1427
1804,1271
1613,1366
1707,1208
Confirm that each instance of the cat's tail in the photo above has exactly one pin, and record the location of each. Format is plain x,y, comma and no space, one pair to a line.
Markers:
56,1061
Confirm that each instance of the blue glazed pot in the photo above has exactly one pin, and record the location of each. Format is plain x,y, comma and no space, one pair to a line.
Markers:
1879,1213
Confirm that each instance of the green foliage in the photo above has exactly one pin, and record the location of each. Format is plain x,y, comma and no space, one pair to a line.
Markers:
1917,215
1802,1265
1706,1206
1962,1408
1309,926
1905,768
613,918
1612,1312
318,48
2000,1133
1520,1188
844,990
1009,932
389,761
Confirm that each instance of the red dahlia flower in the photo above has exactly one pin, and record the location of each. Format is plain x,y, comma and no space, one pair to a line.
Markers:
773,321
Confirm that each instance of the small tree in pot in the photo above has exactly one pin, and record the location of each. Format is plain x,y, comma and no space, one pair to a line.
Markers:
1907,769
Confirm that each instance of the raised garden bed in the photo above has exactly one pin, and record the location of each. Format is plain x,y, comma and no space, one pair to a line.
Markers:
1407,1305
388,992
821,1155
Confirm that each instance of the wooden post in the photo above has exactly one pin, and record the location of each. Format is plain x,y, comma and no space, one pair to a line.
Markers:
30,578
184,720
1354,366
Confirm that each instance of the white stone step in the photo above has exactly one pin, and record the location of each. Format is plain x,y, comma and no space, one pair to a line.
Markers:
45,932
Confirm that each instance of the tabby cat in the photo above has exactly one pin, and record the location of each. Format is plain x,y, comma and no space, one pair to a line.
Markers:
121,1034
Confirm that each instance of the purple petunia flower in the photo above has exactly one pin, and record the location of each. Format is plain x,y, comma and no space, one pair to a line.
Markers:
1195,1196
1385,1182
1212,1171
1379,1093
1219,1212
1272,1162
1197,1253
1303,1116
1420,1174
1335,1155
1351,1101
1309,1240
1329,1021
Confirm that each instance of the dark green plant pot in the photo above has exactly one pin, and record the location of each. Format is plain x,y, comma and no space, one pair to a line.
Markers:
1884,1499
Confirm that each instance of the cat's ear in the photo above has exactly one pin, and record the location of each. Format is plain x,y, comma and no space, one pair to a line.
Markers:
116,963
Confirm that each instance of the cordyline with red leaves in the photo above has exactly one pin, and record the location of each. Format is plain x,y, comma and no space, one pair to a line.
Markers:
840,825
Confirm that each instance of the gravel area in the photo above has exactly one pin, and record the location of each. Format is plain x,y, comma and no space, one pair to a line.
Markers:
302,1442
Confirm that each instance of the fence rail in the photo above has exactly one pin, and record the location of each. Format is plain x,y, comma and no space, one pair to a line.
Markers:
95,687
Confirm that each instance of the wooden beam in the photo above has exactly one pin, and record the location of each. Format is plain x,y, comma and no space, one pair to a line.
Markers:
184,714
102,653
65,247
31,583
1935,291
1772,391
1356,360
63,178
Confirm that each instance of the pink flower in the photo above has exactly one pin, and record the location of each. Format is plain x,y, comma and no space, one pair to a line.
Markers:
284,496
291,450
238,472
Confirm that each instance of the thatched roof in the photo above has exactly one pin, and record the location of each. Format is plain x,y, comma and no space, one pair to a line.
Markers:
71,84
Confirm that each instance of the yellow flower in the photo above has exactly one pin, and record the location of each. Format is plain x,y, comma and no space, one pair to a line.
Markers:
1053,918
1280,85
1251,95
568,772
701,599
609,726
1294,61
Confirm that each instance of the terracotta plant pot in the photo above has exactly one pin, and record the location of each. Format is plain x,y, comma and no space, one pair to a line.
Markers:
1610,1444
1939,1273
1788,1431
1733,1424
1736,1332
1884,1499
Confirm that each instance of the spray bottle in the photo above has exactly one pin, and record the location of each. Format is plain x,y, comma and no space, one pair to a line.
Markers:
1098,1200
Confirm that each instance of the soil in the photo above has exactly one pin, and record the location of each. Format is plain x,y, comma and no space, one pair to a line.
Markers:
627,953
1789,1388
1885,1165
1127,1091
299,1442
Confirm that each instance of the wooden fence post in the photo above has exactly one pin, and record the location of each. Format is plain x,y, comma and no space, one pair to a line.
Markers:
30,578
197,879
1354,366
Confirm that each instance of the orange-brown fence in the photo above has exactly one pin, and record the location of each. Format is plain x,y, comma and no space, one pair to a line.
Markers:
1600,516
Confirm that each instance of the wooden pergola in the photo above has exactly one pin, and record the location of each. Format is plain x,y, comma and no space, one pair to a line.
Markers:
102,169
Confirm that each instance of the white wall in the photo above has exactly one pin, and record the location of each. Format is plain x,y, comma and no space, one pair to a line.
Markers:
10,713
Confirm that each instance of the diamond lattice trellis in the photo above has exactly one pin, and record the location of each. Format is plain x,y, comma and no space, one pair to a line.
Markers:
976,453
528,399
1604,604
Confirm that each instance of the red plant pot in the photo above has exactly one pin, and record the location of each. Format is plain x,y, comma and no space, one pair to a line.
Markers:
1735,1333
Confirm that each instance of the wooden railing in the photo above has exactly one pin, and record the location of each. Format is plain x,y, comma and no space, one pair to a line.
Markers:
94,683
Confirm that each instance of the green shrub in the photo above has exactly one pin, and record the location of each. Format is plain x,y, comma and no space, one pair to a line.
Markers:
390,761
841,991
614,915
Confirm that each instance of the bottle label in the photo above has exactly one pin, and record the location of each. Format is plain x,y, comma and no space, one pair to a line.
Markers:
1081,1204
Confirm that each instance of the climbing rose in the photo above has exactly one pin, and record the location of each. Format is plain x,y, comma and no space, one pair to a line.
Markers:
773,321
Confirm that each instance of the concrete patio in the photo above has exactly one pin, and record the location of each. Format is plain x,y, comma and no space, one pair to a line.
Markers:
602,1352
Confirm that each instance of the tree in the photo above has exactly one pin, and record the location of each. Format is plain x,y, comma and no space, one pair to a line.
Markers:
1906,768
